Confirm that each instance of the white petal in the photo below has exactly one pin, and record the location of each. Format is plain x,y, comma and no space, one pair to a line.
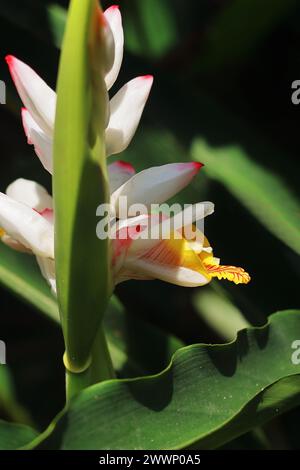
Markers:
126,275
180,276
126,109
123,232
123,224
14,244
119,172
137,258
113,16
189,215
106,57
47,267
157,184
26,226
43,145
37,96
30,193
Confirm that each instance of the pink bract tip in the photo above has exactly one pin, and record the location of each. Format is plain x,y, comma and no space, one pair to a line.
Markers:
147,77
9,59
126,166
11,62
197,165
113,7
194,166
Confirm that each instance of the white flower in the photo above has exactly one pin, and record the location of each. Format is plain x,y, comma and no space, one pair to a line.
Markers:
26,210
125,108
27,222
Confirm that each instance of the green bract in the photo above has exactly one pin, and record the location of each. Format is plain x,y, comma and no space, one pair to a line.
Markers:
80,183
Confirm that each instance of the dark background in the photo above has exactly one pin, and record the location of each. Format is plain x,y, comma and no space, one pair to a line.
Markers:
223,69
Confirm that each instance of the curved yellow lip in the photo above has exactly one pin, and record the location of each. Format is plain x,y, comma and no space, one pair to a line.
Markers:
231,273
214,269
184,253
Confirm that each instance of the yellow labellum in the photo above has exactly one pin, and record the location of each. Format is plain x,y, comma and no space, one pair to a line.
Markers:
177,253
231,273
199,257
212,265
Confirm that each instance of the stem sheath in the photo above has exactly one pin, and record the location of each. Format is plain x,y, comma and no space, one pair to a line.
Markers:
101,368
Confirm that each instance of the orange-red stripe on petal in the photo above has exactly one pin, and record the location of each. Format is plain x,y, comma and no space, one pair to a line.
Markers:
231,273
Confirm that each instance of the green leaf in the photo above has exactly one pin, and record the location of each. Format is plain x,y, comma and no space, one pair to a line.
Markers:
207,396
13,436
44,21
262,192
80,182
21,275
154,144
9,406
57,17
238,28
130,341
150,27
216,309
273,401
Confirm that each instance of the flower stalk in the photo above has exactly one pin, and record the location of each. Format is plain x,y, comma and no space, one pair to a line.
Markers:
79,185
73,132
100,369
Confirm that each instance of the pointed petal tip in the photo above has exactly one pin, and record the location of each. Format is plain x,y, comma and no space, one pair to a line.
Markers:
11,62
36,95
113,8
125,166
147,77
144,82
112,14
194,167
9,59
197,166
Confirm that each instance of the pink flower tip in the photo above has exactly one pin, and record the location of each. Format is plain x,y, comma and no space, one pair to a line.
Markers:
125,165
9,59
113,7
197,165
191,166
147,77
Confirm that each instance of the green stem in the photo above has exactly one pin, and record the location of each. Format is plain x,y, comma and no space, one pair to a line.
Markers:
101,368
76,382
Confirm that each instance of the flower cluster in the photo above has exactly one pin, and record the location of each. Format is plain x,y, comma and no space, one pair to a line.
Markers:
26,210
